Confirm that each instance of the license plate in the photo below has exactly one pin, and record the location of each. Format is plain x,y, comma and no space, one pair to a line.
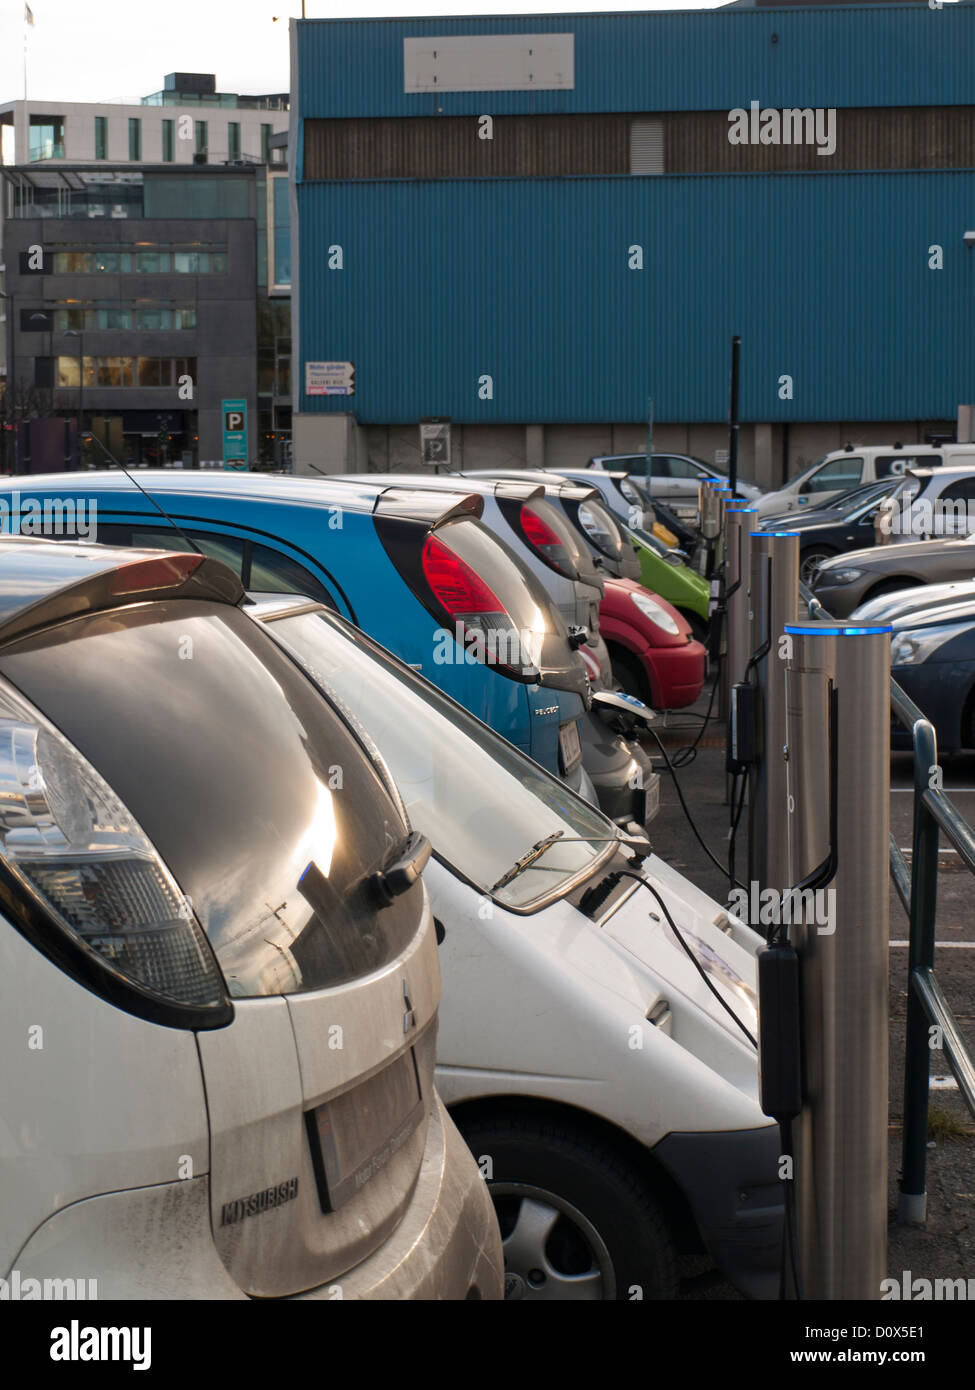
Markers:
354,1136
569,746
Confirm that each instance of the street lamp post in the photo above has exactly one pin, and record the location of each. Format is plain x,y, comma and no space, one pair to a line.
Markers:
80,335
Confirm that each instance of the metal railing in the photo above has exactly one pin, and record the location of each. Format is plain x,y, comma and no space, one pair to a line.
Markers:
930,1022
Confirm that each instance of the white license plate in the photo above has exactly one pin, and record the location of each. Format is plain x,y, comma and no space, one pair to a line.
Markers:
569,746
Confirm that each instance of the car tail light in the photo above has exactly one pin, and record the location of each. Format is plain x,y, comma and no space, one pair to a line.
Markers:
546,541
75,859
475,607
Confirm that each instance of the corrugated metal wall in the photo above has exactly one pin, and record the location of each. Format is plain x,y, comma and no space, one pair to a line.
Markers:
827,281
903,55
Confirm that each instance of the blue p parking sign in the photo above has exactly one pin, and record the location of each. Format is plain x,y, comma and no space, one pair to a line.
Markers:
234,430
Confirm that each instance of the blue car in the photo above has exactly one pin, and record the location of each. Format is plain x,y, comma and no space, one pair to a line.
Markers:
416,570
932,657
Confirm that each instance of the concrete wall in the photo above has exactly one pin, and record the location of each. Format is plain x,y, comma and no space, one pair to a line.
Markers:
767,454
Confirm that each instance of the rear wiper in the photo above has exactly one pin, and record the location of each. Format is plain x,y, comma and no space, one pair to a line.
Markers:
536,852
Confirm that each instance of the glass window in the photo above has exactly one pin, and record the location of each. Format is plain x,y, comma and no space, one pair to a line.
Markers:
46,137
886,465
835,476
272,854
67,372
233,139
271,572
282,233
101,137
72,317
113,371
266,143
135,138
168,141
154,371
201,137
151,318
72,262
109,316
680,468
218,259
184,318
284,376
190,260
437,752
184,366
960,491
153,262
111,262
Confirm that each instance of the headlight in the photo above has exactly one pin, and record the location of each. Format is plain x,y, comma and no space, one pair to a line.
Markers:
840,576
651,609
920,643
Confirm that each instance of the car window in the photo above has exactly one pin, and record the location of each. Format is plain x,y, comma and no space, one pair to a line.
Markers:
253,788
964,489
481,803
259,567
683,468
835,476
887,464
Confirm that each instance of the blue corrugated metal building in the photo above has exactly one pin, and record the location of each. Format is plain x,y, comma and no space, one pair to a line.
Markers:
619,238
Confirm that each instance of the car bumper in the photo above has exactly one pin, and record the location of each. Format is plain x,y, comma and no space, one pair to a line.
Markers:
677,673
730,1180
155,1242
839,600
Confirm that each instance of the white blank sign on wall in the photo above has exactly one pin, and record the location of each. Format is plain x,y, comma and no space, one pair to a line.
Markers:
489,63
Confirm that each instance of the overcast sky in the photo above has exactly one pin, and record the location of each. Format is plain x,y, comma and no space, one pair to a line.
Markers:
109,50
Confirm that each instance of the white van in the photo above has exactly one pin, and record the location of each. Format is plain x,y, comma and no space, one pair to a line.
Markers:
847,468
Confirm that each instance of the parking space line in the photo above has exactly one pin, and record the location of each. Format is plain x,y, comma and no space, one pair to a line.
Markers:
945,945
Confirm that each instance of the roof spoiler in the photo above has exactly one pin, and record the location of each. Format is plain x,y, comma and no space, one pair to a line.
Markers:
57,580
426,505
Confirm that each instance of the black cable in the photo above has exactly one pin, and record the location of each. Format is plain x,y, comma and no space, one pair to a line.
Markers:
629,873
690,819
790,1241
679,760
735,818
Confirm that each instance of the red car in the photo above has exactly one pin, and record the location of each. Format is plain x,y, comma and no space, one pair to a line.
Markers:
654,653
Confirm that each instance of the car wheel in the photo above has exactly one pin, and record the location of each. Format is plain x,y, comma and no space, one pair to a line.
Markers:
629,675
810,559
577,1221
890,586
699,626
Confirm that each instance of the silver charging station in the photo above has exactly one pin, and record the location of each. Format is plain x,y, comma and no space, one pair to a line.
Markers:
737,520
710,518
838,797
773,559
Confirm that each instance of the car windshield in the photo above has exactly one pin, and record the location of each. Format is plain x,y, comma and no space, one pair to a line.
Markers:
864,496
483,805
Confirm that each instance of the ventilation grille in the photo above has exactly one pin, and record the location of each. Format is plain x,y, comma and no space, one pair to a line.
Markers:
647,147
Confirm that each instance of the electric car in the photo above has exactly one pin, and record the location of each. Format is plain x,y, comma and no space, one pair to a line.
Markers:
416,569
674,478
845,582
609,1096
928,596
219,971
520,515
847,468
652,647
847,523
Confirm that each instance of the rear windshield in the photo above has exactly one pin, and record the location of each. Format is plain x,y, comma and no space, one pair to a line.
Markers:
249,783
482,804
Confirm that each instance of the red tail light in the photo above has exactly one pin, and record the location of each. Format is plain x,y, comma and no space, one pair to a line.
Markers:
460,589
547,542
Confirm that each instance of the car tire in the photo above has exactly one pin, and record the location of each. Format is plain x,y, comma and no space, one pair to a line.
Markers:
629,674
577,1221
812,556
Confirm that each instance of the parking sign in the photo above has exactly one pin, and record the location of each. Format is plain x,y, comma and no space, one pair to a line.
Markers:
234,430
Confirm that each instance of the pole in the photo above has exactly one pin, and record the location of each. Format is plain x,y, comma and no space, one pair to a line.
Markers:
649,467
838,732
773,603
733,415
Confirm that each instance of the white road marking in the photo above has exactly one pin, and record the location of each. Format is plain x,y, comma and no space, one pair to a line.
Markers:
942,945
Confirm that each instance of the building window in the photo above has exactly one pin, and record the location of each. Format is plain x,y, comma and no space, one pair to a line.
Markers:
168,141
146,258
233,139
115,372
152,261
101,137
46,137
281,239
201,137
135,138
266,142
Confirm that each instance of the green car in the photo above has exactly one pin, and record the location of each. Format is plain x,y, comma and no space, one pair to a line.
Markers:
664,573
